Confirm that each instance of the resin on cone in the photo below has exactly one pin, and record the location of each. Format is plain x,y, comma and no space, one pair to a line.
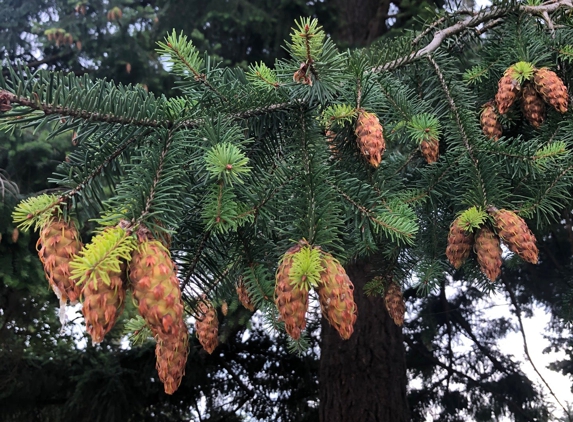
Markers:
459,244
507,90
430,150
370,137
490,125
60,242
514,232
552,89
488,253
207,326
532,105
171,354
395,303
156,287
102,305
336,296
291,301
244,297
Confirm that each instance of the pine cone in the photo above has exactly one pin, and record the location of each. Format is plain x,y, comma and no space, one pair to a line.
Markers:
552,89
171,354
336,295
60,242
459,244
430,150
514,232
156,287
490,126
102,305
395,303
291,301
244,297
370,137
507,89
532,105
488,253
207,326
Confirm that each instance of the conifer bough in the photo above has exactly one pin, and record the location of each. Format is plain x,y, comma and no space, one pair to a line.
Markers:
237,167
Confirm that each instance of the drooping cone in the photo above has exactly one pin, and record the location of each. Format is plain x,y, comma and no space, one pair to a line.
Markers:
532,105
60,242
395,303
552,89
488,253
102,305
330,135
370,137
156,287
171,353
336,295
244,297
507,89
430,150
207,326
291,301
514,232
490,126
459,244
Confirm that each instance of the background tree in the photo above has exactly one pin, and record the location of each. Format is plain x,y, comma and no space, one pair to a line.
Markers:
437,333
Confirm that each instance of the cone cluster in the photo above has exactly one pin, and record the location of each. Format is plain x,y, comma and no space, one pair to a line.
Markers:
370,138
335,292
207,326
59,242
508,227
157,294
538,88
395,303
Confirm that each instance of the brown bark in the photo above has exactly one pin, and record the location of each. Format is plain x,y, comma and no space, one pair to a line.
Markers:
361,21
363,379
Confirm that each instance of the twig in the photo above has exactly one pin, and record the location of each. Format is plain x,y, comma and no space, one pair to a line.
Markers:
525,346
490,14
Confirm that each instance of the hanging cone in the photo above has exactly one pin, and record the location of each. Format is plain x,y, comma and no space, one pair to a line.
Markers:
291,301
207,326
330,135
552,89
336,295
370,137
532,105
514,232
102,305
395,303
171,354
243,294
507,90
488,253
430,150
459,244
60,242
156,287
490,126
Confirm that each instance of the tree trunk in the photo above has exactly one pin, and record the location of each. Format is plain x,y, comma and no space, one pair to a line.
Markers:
363,379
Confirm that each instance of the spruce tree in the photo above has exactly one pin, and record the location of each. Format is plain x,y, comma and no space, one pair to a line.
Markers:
264,181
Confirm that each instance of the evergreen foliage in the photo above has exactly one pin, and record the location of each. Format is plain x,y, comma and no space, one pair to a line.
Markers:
237,168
